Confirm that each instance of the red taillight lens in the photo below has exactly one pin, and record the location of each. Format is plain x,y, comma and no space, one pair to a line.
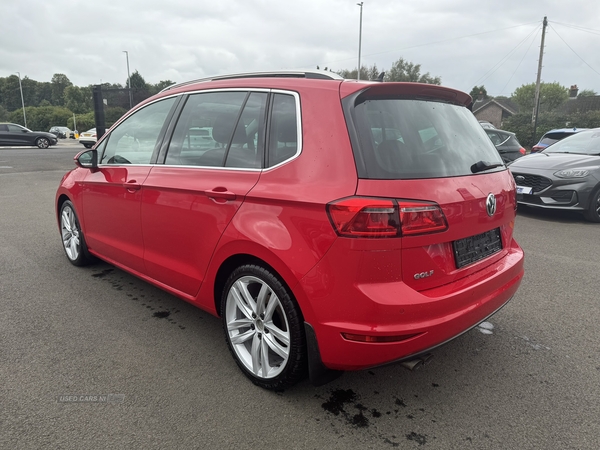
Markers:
522,151
364,217
421,218
536,149
367,217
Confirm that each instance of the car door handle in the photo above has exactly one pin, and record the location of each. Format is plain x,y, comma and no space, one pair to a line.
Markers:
132,186
220,192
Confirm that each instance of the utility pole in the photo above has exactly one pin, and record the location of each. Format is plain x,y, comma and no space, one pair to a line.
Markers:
536,102
22,101
359,39
129,80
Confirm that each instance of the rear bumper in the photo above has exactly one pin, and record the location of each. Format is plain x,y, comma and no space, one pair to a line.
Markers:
427,319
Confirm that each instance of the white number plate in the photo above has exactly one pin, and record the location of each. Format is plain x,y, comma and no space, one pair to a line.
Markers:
524,190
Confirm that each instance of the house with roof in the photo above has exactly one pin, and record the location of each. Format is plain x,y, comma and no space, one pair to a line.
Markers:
494,110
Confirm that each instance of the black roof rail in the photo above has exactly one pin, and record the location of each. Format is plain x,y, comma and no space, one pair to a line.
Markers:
313,74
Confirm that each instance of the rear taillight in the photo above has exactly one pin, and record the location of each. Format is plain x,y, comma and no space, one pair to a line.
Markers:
421,218
522,151
367,217
536,149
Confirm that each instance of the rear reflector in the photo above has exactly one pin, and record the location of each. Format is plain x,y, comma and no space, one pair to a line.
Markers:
366,338
368,217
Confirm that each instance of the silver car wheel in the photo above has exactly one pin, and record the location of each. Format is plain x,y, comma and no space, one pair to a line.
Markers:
42,143
257,327
70,233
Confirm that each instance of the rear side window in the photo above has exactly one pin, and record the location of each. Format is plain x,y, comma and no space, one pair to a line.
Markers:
410,139
220,129
283,131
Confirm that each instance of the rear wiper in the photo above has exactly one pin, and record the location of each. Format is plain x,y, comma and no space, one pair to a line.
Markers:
480,166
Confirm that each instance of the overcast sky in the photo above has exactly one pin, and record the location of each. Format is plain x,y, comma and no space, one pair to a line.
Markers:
465,42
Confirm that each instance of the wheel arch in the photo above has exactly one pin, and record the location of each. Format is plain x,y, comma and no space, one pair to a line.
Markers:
235,261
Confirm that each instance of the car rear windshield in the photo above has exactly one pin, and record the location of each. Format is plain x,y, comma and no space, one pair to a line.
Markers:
551,138
410,139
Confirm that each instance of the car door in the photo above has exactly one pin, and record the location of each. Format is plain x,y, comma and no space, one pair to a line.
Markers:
4,136
189,200
18,135
112,194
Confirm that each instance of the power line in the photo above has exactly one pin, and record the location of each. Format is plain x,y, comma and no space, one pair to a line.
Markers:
579,28
496,66
576,54
427,43
518,65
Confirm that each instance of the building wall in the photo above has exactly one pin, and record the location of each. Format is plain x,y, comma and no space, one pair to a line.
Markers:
492,113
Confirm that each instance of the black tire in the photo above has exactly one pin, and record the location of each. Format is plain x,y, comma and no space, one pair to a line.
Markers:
42,142
72,237
266,337
592,213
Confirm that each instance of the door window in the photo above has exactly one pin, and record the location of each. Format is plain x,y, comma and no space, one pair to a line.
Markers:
136,138
212,132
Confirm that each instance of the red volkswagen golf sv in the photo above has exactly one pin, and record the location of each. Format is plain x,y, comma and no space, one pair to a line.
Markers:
332,224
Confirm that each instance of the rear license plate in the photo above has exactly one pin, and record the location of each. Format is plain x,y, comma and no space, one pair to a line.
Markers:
524,190
475,248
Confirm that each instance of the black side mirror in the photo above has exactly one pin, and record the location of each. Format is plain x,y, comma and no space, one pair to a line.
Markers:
87,159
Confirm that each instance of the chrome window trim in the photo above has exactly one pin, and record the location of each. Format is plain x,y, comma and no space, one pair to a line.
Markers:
274,91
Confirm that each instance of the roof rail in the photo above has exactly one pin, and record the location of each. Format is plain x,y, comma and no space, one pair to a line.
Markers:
313,74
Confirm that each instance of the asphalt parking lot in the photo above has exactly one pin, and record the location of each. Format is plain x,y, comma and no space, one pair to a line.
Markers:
94,358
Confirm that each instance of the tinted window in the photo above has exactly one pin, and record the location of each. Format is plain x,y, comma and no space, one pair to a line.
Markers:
283,132
134,140
406,139
204,135
15,128
586,142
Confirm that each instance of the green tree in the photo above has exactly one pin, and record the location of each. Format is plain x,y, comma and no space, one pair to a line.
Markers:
10,94
79,99
366,73
59,83
156,88
587,93
477,91
138,82
41,118
3,114
552,95
403,70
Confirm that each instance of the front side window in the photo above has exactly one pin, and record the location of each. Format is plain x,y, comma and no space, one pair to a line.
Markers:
410,139
135,139
220,129
16,128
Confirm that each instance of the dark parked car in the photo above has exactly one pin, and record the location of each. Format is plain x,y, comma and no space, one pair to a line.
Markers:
553,136
332,224
506,143
12,134
566,175
62,132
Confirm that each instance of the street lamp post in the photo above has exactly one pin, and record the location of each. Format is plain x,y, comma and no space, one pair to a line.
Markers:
22,101
129,80
359,39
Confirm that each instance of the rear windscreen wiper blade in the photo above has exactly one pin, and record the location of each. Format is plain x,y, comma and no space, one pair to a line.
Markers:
480,166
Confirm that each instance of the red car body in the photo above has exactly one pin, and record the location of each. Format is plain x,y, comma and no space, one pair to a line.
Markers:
366,299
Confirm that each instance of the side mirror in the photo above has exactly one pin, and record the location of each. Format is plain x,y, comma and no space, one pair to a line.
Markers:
87,159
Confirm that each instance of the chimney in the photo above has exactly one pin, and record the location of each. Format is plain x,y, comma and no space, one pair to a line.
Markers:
573,92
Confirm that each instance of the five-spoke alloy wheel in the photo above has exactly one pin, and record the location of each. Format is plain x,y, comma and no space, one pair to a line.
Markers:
73,241
263,328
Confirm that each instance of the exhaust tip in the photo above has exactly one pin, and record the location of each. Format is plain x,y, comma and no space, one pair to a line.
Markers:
418,362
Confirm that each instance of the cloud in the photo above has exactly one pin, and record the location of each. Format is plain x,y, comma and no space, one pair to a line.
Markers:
465,42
